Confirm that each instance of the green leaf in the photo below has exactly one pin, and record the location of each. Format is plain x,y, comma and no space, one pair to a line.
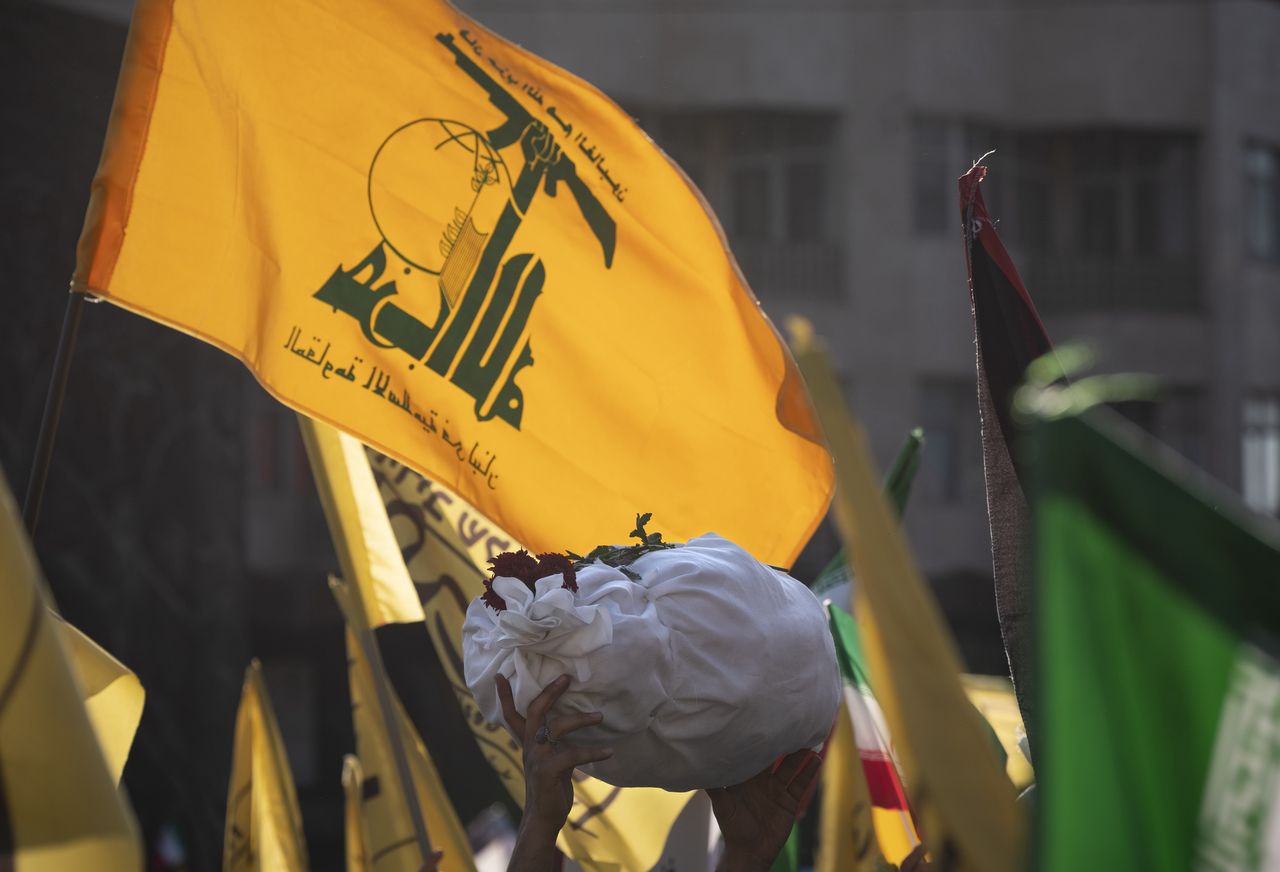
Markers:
619,556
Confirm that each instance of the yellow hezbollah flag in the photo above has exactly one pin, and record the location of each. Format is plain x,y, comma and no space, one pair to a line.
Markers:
264,824
355,839
470,259
446,542
392,844
368,553
59,806
960,796
367,549
847,837
609,828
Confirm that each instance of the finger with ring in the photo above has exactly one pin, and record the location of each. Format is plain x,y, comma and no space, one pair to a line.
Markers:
544,737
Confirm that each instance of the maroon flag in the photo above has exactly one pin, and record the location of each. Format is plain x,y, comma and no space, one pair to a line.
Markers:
1009,336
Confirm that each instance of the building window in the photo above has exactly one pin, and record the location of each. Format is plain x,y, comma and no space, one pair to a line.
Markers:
1261,454
951,463
1262,202
751,195
1109,220
942,150
1181,424
1176,419
1099,219
934,210
768,176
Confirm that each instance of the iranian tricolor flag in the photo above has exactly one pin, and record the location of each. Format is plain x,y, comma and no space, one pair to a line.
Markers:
1158,616
891,815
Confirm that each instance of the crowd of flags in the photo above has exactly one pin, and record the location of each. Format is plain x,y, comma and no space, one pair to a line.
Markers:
1134,596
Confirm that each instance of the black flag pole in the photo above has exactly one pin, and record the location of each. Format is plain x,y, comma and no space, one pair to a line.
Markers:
34,496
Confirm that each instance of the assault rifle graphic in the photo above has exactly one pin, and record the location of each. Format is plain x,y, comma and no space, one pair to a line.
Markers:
544,156
498,295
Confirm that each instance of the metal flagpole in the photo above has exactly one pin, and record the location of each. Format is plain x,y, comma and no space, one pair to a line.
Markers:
52,411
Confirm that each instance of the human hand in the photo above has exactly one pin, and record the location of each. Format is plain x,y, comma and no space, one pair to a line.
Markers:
756,816
548,769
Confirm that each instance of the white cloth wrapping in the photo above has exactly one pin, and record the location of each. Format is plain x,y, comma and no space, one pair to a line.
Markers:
706,669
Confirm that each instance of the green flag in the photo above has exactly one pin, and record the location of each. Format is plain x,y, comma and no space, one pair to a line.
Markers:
897,487
1158,615
788,860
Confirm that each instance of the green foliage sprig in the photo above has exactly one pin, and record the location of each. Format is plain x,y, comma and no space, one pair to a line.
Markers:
621,556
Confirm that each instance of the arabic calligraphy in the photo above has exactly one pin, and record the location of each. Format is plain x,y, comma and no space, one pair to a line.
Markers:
593,154
444,513
378,383
480,294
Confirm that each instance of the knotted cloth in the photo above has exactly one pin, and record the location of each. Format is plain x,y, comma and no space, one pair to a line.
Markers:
706,669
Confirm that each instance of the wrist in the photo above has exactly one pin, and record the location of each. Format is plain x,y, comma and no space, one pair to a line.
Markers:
538,827
535,848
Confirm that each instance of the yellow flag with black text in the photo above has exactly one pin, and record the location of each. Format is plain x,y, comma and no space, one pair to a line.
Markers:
961,799
264,824
59,805
392,844
367,549
847,832
470,259
445,542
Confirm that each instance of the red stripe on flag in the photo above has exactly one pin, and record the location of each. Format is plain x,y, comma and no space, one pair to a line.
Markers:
883,783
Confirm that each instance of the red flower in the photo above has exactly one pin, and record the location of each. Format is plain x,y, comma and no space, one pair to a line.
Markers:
491,599
556,564
528,569
515,564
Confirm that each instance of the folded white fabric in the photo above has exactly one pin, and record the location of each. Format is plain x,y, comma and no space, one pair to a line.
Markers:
706,668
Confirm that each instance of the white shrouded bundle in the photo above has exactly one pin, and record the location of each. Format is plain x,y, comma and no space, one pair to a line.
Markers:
706,669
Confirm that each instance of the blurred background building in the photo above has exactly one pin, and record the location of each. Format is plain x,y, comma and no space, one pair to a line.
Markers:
1136,178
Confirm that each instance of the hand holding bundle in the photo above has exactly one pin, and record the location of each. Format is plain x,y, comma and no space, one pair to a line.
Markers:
706,664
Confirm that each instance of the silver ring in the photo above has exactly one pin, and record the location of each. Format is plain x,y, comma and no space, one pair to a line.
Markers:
544,737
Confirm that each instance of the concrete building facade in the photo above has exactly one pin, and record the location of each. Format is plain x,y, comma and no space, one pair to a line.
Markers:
1136,177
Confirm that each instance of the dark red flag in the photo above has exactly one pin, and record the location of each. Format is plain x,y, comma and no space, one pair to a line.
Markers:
1009,336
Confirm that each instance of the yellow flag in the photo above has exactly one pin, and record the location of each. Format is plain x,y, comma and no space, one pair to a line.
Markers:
264,824
961,798
113,696
609,828
59,806
367,549
355,839
465,256
847,837
392,844
368,553
994,699
446,542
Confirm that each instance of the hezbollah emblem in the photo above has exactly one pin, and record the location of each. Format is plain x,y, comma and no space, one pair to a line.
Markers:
440,285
